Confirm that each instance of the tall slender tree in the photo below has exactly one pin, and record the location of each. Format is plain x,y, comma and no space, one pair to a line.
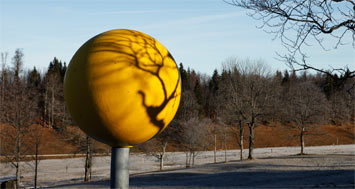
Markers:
249,85
305,107
19,114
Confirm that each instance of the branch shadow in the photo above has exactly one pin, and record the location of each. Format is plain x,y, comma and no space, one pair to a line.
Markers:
145,54
148,72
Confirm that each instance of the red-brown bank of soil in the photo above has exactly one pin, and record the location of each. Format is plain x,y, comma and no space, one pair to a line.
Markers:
272,135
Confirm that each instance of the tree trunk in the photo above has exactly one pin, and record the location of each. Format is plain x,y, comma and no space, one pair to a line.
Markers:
241,138
241,147
161,161
52,108
162,156
17,155
215,145
251,141
187,160
190,159
302,140
225,147
193,159
2,96
36,165
18,175
88,159
63,118
45,111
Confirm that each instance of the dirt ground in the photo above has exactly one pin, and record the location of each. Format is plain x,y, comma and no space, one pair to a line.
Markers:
272,135
278,167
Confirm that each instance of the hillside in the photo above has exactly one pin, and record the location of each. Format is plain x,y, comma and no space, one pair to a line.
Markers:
273,135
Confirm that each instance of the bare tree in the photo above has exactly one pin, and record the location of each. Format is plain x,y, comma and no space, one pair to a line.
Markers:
237,129
34,137
195,138
350,98
224,131
4,80
187,116
163,138
249,94
241,137
188,106
88,159
17,62
84,144
52,105
18,113
229,104
305,107
37,142
212,108
297,23
35,131
153,148
338,113
54,110
157,146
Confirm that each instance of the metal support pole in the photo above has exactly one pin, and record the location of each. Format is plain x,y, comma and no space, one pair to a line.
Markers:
119,168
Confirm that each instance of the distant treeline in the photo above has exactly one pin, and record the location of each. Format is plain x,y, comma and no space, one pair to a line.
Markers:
242,94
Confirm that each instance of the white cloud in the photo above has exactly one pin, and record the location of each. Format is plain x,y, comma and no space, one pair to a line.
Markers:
160,11
194,20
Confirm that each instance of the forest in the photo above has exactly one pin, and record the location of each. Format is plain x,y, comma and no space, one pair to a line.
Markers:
242,95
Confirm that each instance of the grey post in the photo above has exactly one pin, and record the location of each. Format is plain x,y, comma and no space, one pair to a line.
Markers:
119,168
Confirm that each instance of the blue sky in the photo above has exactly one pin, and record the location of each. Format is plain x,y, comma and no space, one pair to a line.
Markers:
201,33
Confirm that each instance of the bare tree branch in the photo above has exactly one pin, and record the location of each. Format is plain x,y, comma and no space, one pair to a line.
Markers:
295,21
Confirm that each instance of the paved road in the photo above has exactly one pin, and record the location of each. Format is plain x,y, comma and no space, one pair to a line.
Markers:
309,171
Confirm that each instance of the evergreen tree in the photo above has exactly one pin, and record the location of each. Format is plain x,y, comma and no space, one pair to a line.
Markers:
286,78
34,78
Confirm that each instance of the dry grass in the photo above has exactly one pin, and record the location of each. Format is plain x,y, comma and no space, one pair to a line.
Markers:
272,135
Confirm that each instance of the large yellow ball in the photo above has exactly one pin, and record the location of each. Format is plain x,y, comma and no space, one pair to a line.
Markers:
122,87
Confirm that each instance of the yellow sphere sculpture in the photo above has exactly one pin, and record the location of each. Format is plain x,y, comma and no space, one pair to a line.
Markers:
122,87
